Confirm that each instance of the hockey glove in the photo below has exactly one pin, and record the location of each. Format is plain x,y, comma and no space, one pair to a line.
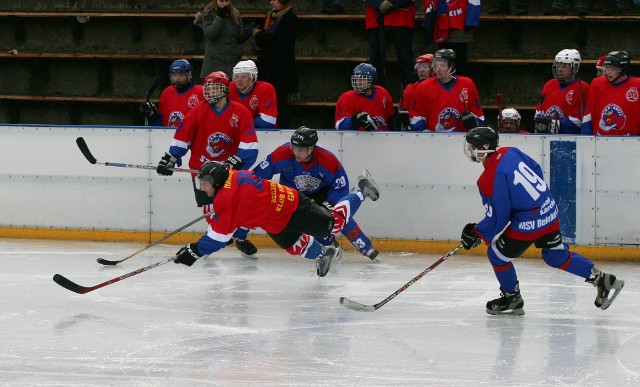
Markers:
363,119
385,6
149,109
187,255
545,124
234,162
469,120
167,162
470,238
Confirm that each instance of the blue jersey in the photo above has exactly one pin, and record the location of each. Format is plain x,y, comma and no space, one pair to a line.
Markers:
324,174
514,193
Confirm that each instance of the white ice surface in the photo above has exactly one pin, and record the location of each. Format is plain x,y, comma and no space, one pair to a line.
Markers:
229,320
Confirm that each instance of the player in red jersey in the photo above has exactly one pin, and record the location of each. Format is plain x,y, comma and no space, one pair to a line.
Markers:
257,96
614,100
445,103
600,66
367,106
509,122
176,100
564,98
292,220
424,70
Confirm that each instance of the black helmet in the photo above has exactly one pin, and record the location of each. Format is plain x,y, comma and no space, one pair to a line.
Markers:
479,143
620,59
447,54
304,136
213,172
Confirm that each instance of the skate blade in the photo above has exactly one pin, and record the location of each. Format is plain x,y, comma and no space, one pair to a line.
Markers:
616,288
512,312
252,256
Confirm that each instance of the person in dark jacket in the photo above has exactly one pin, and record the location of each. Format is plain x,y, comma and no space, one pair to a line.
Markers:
274,46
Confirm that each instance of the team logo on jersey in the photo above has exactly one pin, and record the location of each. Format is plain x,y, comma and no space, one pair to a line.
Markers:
632,94
464,95
217,144
555,112
569,97
175,119
233,121
448,120
306,183
384,103
254,102
193,101
613,118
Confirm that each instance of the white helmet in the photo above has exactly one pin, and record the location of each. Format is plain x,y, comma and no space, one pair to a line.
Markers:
511,114
569,56
246,67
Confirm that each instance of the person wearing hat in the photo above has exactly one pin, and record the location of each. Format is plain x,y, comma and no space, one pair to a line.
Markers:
600,66
614,99
423,70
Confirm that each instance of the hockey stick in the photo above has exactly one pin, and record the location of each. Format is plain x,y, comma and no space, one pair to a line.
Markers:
347,303
107,262
74,287
499,103
84,148
154,86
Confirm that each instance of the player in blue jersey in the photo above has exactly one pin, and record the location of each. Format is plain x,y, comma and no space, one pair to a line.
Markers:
515,196
316,173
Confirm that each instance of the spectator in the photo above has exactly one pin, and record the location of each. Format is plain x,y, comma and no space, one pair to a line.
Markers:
564,98
224,33
423,70
318,174
520,212
600,66
257,96
219,130
509,122
367,106
292,220
275,50
176,100
446,103
503,7
392,20
614,101
561,7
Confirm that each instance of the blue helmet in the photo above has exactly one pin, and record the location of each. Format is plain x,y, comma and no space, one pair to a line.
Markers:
363,77
180,66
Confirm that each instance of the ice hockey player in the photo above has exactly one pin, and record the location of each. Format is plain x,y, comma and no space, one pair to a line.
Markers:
292,220
257,96
509,122
520,211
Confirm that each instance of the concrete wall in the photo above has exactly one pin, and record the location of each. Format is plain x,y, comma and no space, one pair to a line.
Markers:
428,186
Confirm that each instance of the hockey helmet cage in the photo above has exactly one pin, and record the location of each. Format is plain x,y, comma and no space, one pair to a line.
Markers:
304,136
620,59
480,142
363,77
216,86
214,173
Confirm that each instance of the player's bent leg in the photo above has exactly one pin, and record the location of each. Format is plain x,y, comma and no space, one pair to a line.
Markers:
305,245
501,253
362,243
344,210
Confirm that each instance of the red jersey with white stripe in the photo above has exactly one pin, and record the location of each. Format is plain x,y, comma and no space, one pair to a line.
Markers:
261,101
615,109
174,106
379,105
249,201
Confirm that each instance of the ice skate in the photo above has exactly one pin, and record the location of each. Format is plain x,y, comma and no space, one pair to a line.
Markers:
247,248
508,303
368,186
373,255
604,284
338,255
323,264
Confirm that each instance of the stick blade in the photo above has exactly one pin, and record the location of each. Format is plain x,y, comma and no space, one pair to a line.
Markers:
106,262
347,303
68,284
84,148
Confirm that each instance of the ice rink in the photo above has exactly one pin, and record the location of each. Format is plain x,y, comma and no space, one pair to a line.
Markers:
229,320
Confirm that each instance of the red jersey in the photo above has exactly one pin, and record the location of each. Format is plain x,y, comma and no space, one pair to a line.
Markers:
395,17
379,105
215,135
261,102
565,103
174,106
249,201
614,110
438,107
407,95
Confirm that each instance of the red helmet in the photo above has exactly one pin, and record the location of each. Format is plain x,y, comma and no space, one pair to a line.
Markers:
425,58
218,77
216,86
600,61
